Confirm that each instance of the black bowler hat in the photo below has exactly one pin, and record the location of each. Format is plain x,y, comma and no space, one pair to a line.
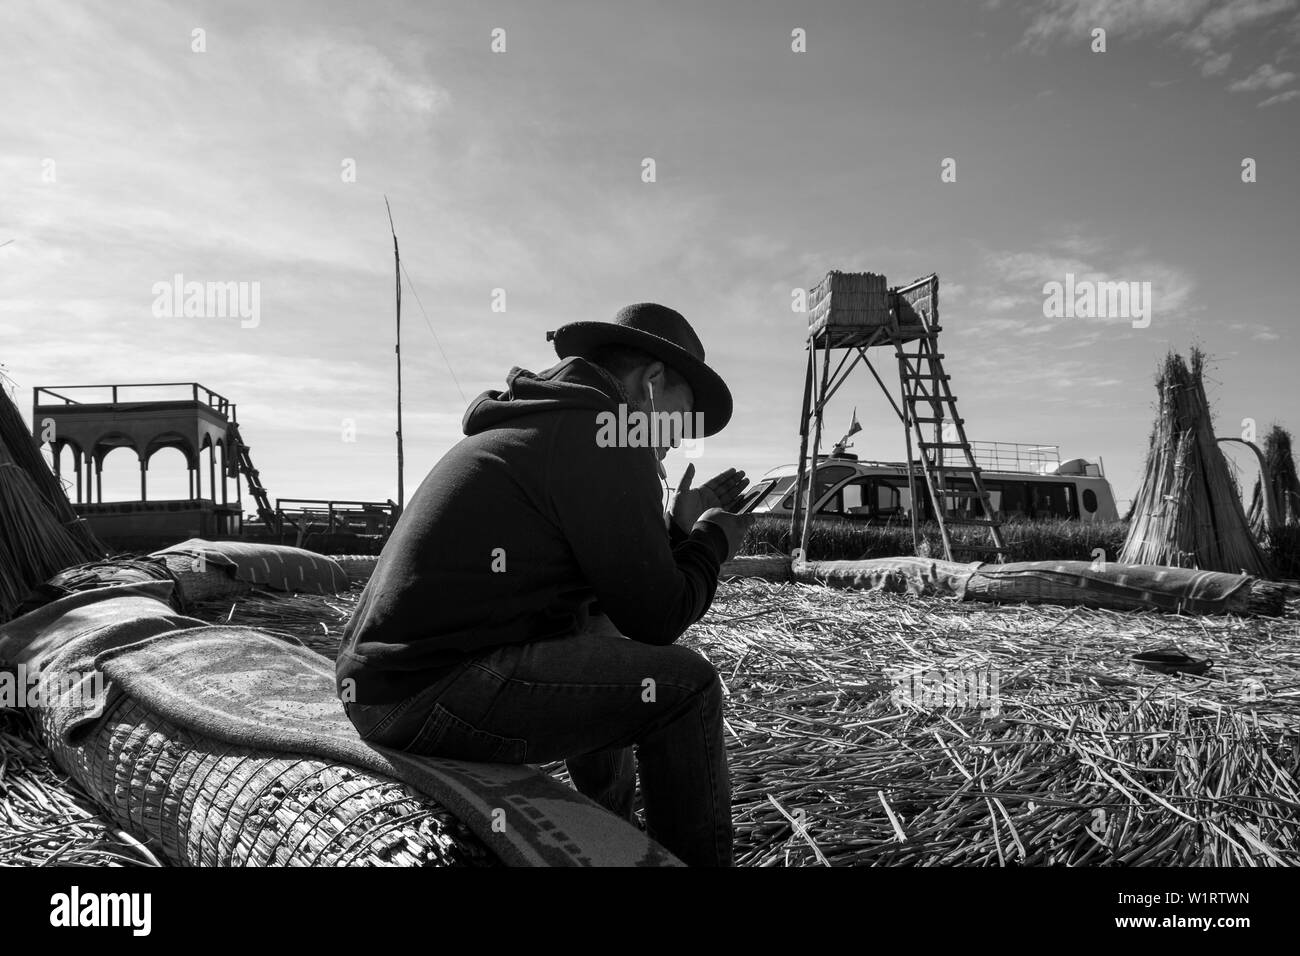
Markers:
663,333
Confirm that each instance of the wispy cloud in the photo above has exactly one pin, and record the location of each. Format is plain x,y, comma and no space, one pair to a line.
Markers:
1216,64
1010,296
365,85
1265,77
1280,98
1204,28
1257,331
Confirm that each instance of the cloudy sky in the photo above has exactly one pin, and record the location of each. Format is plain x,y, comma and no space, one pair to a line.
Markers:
133,149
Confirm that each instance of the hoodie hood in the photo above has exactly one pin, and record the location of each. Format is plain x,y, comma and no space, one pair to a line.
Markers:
574,383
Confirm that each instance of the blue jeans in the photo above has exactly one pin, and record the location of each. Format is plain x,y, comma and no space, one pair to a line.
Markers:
586,698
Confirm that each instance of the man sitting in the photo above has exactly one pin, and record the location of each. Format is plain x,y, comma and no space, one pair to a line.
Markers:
490,628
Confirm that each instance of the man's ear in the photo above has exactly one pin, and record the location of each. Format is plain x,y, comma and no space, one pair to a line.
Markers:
655,373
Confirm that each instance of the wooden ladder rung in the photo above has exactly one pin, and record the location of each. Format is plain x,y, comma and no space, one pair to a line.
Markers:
943,444
935,376
931,420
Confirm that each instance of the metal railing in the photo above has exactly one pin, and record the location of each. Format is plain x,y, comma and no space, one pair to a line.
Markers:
1015,456
368,517
214,400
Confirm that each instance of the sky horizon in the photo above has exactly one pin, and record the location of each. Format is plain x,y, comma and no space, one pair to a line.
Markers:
259,149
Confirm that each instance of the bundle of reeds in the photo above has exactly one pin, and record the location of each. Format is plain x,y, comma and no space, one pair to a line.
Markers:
204,802
1187,512
1283,485
40,534
33,544
22,449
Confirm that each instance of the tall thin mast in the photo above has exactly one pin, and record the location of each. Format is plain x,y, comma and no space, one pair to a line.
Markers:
397,269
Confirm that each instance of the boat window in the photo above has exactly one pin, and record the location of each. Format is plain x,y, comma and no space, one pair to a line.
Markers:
890,497
1089,500
852,500
1049,500
1014,498
994,488
828,476
964,506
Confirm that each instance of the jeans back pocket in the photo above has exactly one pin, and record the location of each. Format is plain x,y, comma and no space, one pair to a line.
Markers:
446,735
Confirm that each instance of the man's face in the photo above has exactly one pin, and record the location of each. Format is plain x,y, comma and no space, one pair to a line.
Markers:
672,397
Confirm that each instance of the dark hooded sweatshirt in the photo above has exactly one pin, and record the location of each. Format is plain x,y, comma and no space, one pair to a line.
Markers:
515,532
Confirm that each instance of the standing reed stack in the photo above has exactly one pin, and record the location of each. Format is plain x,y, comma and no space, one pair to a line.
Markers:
1283,484
1187,512
40,533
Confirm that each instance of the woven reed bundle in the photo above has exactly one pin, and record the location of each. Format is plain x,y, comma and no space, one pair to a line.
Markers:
199,802
1187,512
856,299
358,567
926,577
1284,484
1260,598
768,567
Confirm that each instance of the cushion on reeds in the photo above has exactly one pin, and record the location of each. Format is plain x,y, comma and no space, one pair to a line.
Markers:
276,566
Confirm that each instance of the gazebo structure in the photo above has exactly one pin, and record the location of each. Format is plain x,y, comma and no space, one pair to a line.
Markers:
93,420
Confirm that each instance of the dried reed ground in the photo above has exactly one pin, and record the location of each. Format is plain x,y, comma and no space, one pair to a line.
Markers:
1090,760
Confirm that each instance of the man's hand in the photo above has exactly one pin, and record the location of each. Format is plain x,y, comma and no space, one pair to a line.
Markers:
734,526
722,491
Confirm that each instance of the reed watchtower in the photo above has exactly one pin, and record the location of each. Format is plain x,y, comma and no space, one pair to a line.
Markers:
851,313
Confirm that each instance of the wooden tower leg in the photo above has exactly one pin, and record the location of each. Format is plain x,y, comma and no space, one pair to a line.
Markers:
913,502
819,410
806,411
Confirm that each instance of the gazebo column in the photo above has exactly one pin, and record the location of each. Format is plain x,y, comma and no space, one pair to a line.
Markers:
76,467
224,465
212,472
99,481
144,470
